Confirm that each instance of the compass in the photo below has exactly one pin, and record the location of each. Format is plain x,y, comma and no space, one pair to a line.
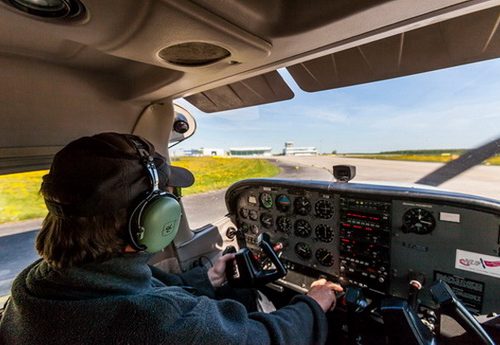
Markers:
419,221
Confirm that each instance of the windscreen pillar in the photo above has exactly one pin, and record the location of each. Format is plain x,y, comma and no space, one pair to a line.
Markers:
155,124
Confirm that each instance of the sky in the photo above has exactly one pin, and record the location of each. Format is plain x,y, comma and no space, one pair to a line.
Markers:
457,107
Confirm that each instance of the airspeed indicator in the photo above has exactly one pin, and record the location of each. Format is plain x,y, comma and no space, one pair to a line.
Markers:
266,200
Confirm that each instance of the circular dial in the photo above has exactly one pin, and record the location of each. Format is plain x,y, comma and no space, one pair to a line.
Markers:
266,200
284,224
303,250
244,227
283,203
419,221
324,233
323,209
253,215
302,206
302,228
244,212
324,257
267,220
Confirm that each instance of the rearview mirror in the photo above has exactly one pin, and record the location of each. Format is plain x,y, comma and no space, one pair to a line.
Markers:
183,127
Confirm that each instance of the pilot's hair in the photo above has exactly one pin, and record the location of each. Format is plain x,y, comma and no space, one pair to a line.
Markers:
74,241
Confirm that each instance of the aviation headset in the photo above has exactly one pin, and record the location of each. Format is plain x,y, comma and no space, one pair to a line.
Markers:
154,222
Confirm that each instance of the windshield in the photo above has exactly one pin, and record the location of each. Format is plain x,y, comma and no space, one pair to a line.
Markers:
397,130
393,131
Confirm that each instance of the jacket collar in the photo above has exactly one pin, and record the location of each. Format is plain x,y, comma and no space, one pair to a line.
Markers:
127,274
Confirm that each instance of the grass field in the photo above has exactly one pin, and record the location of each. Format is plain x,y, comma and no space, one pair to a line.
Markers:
418,157
20,200
213,173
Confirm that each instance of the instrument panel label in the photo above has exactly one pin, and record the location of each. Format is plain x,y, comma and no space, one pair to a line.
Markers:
469,292
478,263
449,217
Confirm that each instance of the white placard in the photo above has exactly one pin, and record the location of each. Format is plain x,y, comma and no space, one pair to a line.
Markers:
478,263
449,217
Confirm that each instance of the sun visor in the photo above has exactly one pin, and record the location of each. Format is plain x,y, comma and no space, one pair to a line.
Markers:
262,89
470,38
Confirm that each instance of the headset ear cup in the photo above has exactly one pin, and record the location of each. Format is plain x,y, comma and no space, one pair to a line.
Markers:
159,220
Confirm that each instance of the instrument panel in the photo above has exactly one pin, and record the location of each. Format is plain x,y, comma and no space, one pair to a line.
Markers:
375,237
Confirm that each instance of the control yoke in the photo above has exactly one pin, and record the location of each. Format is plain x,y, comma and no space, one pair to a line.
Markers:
451,306
399,315
247,271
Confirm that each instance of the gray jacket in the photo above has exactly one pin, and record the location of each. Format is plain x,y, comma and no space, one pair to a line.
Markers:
119,301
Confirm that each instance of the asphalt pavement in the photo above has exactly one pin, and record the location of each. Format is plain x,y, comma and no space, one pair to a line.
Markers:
16,252
480,180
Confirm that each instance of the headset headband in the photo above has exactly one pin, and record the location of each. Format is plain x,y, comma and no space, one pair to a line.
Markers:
148,162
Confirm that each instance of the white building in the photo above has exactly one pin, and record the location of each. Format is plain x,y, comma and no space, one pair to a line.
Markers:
250,151
205,152
291,150
212,151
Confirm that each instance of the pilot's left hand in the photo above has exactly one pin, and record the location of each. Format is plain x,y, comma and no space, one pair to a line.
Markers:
217,273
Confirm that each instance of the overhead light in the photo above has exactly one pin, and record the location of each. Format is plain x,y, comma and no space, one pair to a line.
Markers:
193,54
57,9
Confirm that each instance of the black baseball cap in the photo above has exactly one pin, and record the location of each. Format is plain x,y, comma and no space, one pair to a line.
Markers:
103,173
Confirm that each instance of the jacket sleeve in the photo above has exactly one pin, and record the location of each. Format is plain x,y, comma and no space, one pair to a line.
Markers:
196,278
227,322
301,322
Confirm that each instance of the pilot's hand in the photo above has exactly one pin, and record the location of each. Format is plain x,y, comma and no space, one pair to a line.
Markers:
217,273
323,292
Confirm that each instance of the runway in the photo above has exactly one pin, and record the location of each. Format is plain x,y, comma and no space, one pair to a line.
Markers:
480,180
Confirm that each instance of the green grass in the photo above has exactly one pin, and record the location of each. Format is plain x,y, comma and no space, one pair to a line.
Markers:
19,197
20,200
493,161
443,158
213,173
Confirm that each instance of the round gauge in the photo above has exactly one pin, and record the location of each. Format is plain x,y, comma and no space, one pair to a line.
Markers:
267,220
244,227
284,224
323,209
324,233
324,257
303,250
283,203
244,213
302,228
419,221
253,215
266,200
302,206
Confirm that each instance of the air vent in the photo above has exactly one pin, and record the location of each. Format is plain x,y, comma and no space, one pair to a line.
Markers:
193,54
50,9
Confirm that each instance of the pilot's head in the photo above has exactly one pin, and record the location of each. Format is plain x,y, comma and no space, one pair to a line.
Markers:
93,185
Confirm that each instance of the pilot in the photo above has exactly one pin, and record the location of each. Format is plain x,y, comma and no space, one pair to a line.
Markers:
93,284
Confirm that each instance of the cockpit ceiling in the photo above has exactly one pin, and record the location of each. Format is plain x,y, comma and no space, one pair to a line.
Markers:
457,41
471,38
117,47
